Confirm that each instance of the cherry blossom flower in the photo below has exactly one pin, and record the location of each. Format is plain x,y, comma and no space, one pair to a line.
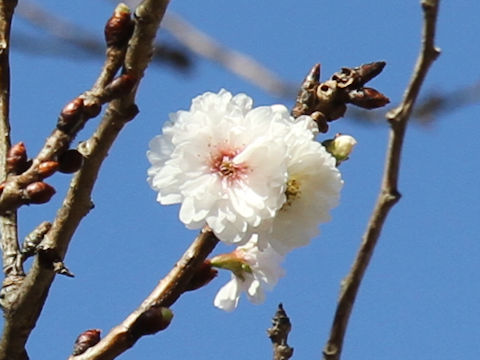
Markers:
313,189
253,272
225,162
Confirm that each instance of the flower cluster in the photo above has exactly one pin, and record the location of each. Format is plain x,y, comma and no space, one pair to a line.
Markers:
256,176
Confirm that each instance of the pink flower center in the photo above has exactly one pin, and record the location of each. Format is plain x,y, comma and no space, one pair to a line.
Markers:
222,163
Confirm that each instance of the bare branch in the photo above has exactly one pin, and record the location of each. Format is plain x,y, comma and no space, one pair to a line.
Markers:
123,336
31,295
12,264
389,194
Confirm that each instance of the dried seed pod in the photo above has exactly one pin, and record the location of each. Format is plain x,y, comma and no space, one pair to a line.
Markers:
39,192
86,340
70,161
204,274
151,321
355,78
47,168
17,159
71,115
119,27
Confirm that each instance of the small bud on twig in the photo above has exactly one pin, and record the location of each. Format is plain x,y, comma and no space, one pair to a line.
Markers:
70,161
151,321
38,192
86,340
71,115
119,27
47,168
204,274
17,159
367,98
120,86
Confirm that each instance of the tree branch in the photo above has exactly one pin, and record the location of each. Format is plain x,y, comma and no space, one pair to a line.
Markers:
123,336
389,194
12,266
21,318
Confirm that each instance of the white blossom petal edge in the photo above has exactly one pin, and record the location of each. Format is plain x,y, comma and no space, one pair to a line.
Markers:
225,162
313,189
265,271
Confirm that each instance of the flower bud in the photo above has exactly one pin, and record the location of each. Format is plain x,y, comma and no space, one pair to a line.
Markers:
39,192
70,116
86,340
204,274
119,27
70,161
151,321
47,168
340,147
17,159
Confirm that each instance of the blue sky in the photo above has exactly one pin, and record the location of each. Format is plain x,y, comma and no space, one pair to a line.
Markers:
419,298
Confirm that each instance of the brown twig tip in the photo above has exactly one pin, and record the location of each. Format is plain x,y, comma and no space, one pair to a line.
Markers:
38,193
86,340
151,321
278,334
119,27
204,274
17,159
326,101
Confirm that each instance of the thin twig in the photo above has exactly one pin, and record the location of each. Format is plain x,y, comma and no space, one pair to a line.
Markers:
389,194
120,338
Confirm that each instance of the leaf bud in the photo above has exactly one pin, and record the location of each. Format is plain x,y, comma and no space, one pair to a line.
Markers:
151,321
17,159
39,192
86,340
71,115
368,98
122,85
92,107
119,27
70,161
47,168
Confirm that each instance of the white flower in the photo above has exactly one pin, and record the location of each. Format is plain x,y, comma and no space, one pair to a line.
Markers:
259,271
225,162
313,189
